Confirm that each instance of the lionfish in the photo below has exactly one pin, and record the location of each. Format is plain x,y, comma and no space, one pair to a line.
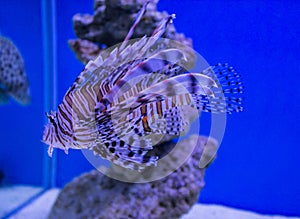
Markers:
136,91
13,78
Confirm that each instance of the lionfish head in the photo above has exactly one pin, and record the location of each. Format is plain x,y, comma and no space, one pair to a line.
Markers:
50,135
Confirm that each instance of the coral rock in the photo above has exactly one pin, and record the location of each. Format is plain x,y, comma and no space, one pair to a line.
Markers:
94,195
111,22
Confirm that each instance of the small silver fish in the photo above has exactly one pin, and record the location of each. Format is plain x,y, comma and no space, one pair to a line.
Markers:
138,90
13,78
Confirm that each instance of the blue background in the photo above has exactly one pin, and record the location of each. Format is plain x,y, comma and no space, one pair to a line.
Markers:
21,127
257,167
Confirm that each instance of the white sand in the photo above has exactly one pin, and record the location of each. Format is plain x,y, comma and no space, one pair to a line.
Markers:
203,211
13,196
41,207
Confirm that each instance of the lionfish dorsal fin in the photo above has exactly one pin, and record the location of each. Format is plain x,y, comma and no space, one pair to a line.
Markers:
138,18
163,63
100,70
184,85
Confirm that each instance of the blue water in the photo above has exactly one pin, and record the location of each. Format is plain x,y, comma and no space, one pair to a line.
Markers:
257,167
21,127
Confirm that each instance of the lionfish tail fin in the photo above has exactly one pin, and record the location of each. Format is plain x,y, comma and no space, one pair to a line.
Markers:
228,97
122,154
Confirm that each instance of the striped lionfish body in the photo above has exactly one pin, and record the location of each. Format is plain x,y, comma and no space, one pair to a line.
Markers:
137,91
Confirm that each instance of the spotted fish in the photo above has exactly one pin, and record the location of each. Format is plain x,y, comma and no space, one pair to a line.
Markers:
125,98
13,78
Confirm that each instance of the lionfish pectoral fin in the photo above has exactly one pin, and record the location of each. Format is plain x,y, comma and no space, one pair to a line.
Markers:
145,127
3,95
170,55
174,121
3,98
183,84
121,153
3,88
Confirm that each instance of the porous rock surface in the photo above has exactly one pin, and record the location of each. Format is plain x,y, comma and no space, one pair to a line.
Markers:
94,195
110,24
